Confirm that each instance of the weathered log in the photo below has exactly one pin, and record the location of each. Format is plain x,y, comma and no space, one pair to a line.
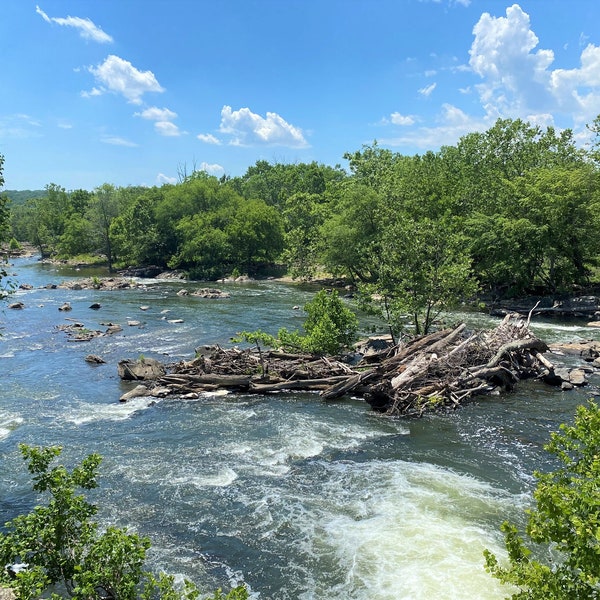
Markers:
226,381
347,384
524,344
298,384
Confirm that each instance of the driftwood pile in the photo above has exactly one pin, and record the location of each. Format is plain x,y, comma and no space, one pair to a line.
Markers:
438,371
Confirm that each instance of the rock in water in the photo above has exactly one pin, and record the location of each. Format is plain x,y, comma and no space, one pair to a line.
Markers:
141,369
136,392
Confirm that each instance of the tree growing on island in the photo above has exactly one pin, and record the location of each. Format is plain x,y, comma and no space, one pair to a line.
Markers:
330,327
59,548
563,526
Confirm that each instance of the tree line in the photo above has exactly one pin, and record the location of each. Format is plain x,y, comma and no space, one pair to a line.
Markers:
510,211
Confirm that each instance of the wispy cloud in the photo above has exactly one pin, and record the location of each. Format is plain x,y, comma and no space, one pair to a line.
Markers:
453,123
121,77
19,126
426,91
117,141
249,129
86,28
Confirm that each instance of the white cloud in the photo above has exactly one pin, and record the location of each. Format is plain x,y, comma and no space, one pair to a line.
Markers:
163,118
167,128
213,169
117,141
453,124
157,114
162,178
517,78
397,119
426,91
93,92
87,29
121,77
248,128
209,138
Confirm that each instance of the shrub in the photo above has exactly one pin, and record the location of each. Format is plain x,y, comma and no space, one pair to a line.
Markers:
59,544
565,520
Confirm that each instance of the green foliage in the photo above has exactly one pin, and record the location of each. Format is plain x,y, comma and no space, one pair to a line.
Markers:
565,520
64,549
423,270
258,337
516,206
330,325
329,328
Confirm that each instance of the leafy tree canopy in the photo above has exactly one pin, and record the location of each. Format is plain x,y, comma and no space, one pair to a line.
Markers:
558,558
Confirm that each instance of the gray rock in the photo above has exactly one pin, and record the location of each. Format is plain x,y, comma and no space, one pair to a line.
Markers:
577,377
94,359
137,392
142,369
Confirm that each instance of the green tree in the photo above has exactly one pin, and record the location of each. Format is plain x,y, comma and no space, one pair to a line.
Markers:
351,235
304,216
61,546
255,234
424,270
564,523
330,325
102,210
135,232
77,237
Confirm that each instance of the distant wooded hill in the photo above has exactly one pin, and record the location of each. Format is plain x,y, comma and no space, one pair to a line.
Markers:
19,197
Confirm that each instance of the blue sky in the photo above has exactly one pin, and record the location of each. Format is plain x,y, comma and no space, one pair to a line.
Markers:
132,92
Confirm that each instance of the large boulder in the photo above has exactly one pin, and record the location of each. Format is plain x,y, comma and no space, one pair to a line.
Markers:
141,369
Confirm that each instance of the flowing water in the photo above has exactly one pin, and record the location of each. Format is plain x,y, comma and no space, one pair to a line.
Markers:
297,498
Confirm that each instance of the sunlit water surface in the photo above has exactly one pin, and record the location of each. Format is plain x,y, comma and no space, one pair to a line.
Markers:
298,498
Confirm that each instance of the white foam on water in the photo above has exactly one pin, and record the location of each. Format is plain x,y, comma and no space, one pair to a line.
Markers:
222,478
8,422
292,437
408,530
117,411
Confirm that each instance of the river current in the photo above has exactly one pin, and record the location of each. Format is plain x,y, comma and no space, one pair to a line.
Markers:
298,498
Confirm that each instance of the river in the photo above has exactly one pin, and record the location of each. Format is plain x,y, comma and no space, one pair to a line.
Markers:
297,498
